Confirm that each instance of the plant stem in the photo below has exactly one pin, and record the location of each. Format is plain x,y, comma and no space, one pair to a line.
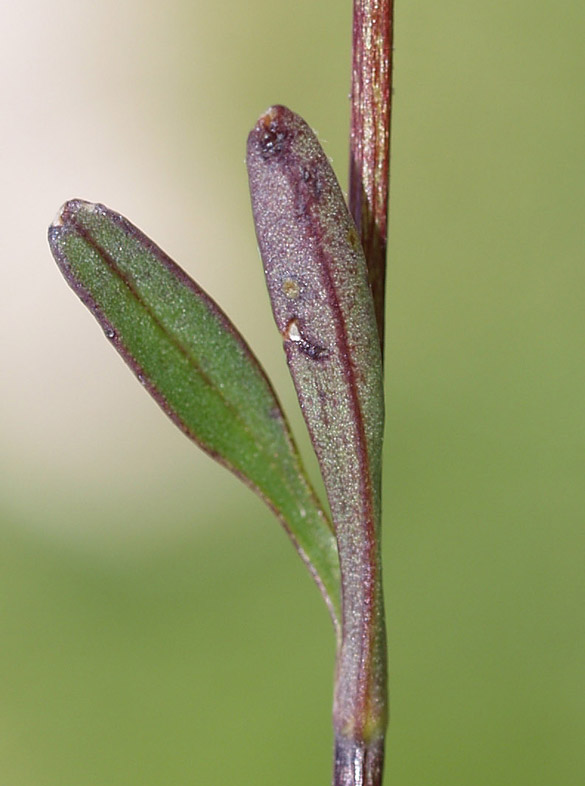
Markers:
358,764
360,710
371,99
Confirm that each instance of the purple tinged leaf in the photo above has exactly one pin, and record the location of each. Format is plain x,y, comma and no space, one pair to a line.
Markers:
197,366
322,304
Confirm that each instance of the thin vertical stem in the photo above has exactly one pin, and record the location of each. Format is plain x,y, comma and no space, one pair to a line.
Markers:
371,98
358,764
360,710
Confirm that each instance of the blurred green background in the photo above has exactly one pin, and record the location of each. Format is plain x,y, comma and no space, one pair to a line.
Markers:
155,625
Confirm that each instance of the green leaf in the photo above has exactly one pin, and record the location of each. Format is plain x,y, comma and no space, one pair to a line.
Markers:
322,303
198,368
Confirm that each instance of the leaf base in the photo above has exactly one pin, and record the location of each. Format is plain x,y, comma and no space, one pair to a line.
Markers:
358,763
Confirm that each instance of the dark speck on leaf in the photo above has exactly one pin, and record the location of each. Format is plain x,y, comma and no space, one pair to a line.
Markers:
294,335
313,351
272,142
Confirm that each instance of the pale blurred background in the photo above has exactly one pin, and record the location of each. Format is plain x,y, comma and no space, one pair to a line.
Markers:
155,625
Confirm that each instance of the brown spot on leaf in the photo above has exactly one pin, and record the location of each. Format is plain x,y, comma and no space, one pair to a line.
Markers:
291,288
353,239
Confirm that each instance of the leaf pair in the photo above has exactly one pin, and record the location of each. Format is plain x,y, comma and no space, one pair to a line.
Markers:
196,365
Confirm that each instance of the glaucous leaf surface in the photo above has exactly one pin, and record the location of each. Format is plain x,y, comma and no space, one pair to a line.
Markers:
322,304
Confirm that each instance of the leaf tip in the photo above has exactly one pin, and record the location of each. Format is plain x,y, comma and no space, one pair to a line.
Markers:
271,136
58,220
67,212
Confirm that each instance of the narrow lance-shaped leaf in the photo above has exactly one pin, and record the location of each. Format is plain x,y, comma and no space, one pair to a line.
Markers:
317,280
196,365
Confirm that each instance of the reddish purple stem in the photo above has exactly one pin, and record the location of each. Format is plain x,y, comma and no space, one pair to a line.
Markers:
360,762
371,98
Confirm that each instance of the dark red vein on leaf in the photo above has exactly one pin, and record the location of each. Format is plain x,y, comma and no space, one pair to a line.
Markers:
106,256
369,550
284,142
70,224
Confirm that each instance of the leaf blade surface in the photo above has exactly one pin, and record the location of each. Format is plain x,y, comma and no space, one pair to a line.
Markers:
316,275
196,365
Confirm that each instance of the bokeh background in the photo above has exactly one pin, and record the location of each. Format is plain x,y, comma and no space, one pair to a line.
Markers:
155,625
